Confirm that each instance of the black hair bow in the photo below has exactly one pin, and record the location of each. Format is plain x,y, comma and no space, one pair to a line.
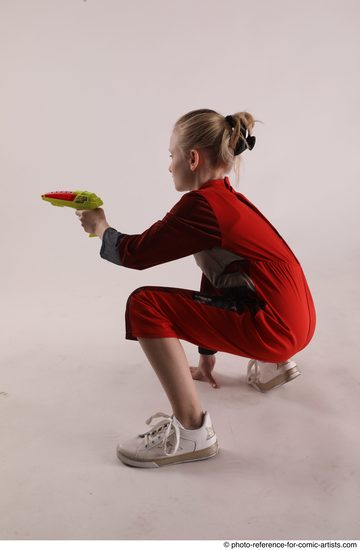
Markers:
242,144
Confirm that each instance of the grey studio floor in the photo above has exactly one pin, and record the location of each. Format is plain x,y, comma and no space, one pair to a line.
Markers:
288,466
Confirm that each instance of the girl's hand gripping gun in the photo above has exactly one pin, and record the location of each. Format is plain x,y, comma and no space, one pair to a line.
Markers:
80,200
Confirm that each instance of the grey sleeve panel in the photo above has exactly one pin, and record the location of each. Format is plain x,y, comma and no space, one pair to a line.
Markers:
110,245
213,263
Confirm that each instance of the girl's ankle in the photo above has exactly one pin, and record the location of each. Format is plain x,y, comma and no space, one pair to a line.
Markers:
192,423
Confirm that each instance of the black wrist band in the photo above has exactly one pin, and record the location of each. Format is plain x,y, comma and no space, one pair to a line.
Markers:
205,351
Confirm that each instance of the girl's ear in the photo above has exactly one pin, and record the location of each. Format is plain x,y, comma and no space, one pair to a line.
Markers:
195,159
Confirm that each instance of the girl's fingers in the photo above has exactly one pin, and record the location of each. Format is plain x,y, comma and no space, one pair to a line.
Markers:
212,382
197,374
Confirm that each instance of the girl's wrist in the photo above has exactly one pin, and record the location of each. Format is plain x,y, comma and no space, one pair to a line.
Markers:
101,228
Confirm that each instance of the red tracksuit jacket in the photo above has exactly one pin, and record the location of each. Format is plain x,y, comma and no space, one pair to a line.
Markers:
235,246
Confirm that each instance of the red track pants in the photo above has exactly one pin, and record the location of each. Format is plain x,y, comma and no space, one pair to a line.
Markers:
212,323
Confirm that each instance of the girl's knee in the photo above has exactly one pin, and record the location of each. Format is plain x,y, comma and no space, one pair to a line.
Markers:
139,292
142,301
134,298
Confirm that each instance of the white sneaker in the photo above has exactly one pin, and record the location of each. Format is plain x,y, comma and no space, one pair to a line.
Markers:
168,442
266,376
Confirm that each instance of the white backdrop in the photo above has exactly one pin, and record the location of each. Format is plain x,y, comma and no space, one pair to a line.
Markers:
89,94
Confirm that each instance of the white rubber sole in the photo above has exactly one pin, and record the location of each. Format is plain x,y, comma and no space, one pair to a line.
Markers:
202,454
279,380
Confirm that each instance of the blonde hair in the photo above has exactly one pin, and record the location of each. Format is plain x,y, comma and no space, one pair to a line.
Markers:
208,130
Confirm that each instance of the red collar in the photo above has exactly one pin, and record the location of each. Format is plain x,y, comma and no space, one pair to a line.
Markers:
225,181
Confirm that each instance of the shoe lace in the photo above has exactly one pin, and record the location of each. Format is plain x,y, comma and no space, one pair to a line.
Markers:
163,429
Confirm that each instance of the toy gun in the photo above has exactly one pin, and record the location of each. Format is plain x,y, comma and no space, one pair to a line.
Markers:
80,200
